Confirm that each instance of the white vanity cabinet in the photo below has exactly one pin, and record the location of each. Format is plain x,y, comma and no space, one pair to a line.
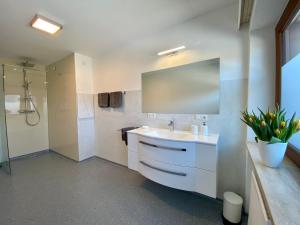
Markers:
179,160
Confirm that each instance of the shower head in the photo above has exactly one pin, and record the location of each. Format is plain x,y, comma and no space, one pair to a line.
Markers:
26,63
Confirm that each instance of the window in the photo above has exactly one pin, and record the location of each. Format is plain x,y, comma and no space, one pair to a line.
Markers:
288,68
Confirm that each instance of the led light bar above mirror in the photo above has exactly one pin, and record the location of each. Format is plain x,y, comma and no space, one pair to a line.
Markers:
171,51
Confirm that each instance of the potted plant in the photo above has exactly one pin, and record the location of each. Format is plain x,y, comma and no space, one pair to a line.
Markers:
272,132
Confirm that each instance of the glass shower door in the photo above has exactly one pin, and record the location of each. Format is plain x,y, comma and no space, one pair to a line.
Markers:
4,153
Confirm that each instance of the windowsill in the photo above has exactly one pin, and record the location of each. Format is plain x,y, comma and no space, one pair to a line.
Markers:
294,154
280,187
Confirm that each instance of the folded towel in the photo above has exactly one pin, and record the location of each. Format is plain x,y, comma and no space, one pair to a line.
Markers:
103,100
124,133
115,99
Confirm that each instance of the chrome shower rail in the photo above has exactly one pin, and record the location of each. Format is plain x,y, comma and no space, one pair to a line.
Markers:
28,101
21,67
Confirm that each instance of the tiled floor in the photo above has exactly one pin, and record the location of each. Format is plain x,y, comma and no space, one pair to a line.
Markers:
52,190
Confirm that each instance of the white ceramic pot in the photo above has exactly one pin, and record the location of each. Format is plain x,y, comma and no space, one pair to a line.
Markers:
272,154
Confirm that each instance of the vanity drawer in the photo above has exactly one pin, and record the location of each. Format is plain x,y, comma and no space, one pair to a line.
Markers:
172,152
169,175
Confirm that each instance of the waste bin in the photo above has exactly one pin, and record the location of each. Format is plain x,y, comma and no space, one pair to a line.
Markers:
232,208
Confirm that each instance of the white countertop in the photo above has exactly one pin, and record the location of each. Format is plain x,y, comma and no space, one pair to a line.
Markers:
184,136
280,187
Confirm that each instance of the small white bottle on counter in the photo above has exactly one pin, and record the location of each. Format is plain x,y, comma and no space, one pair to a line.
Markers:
195,129
204,129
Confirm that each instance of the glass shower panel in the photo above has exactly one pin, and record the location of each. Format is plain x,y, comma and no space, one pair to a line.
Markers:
26,110
4,153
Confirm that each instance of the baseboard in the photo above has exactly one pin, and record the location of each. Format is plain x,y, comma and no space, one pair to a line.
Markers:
87,158
30,155
117,164
66,157
42,152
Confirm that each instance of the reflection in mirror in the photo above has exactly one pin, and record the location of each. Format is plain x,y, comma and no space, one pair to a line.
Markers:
188,89
12,104
290,80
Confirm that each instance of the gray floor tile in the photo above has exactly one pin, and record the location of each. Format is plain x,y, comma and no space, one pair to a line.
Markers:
52,190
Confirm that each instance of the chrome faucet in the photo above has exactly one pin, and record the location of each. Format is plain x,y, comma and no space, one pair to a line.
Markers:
171,125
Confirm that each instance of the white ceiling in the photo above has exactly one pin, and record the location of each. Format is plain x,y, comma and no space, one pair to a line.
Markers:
91,27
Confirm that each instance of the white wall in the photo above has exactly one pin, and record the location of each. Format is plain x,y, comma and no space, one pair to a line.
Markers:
24,139
62,107
206,37
71,107
85,106
84,72
261,92
262,52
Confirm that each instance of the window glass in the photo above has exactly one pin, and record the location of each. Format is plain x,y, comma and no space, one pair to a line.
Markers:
290,83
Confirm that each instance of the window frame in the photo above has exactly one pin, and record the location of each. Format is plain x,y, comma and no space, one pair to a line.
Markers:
286,18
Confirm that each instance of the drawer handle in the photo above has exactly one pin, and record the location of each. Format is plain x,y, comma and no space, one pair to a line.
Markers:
163,170
163,147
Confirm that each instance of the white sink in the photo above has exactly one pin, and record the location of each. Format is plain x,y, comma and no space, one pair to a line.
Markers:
168,134
176,135
176,159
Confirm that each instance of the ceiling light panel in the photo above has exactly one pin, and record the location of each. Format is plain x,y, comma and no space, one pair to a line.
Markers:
46,25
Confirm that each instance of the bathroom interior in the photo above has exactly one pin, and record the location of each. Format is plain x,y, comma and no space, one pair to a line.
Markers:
137,118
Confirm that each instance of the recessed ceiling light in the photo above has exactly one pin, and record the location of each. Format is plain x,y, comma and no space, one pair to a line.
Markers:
171,51
44,24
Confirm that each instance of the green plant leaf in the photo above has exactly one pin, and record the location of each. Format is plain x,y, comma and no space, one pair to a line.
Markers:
269,130
290,128
275,140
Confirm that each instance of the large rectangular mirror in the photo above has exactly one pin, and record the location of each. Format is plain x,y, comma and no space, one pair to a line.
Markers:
188,89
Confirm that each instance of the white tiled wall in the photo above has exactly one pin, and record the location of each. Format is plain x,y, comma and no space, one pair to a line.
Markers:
62,107
85,123
85,106
71,107
24,139
108,123
86,138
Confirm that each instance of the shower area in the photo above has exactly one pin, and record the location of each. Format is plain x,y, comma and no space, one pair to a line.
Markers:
25,96
28,102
